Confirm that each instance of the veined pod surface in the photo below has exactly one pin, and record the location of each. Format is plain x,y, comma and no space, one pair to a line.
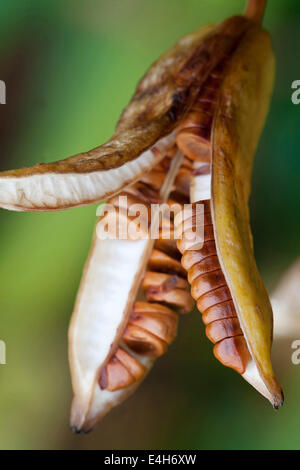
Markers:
224,277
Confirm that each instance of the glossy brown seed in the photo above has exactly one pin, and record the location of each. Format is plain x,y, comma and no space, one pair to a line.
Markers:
233,352
179,197
182,181
195,143
161,325
115,376
145,193
121,371
192,238
209,288
154,178
213,297
197,119
165,282
166,230
209,94
183,224
167,246
207,282
179,299
125,200
214,81
134,367
221,329
187,163
143,342
217,312
151,307
211,263
120,225
192,257
205,106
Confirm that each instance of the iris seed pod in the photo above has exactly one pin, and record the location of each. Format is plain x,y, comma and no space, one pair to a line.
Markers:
189,134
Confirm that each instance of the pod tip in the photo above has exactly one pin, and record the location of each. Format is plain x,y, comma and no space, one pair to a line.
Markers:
76,430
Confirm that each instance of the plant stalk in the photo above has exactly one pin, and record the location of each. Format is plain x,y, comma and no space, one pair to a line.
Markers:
255,10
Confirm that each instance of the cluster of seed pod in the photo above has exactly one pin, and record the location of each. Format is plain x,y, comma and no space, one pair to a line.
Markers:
152,324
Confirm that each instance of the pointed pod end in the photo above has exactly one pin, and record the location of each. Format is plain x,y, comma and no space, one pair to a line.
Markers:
76,430
278,401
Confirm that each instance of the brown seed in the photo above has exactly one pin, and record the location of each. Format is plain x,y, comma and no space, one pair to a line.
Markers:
195,238
233,352
182,181
221,329
217,312
165,282
154,178
168,247
121,371
190,223
197,119
192,257
151,307
161,325
143,342
161,262
195,143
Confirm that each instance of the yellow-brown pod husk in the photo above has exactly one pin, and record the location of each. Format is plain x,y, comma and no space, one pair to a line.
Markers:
240,116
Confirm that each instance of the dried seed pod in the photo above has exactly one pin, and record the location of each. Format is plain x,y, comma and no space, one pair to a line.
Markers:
223,274
114,339
286,304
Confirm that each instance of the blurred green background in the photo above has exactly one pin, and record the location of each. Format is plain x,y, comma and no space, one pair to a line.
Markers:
70,66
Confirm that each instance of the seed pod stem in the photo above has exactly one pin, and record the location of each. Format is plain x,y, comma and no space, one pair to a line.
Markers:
255,10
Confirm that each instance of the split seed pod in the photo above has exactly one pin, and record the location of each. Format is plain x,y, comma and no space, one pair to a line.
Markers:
223,274
208,96
113,338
